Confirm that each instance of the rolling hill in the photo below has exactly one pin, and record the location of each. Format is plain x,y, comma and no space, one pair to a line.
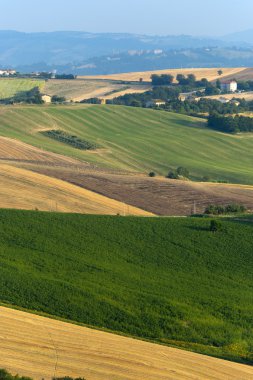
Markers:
80,89
210,74
42,348
23,189
125,135
168,280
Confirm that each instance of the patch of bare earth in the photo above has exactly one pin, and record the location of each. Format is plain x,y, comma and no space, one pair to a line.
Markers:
42,348
159,196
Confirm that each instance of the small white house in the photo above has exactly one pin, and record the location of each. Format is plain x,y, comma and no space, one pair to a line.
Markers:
47,99
223,100
229,86
155,103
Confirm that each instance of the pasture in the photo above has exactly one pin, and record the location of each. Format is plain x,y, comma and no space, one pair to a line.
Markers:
11,86
138,140
135,276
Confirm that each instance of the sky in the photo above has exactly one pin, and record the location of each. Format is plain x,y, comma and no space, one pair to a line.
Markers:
160,17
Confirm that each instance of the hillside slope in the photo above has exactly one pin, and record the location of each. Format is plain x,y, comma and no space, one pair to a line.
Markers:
210,74
42,348
169,280
22,189
12,86
137,140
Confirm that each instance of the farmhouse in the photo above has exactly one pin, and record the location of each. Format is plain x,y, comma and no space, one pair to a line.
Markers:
155,103
229,86
47,99
223,100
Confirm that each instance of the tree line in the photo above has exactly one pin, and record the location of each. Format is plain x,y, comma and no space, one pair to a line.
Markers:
230,124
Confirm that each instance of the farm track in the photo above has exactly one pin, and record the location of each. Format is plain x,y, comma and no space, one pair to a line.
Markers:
42,348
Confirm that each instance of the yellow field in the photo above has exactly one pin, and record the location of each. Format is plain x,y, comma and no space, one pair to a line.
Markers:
210,74
244,95
80,89
13,150
42,348
23,189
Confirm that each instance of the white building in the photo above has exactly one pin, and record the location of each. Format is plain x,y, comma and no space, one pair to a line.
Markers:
47,99
223,100
229,86
7,73
155,103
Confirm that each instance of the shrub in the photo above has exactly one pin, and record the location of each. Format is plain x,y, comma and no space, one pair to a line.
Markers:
152,174
215,226
4,375
178,173
221,210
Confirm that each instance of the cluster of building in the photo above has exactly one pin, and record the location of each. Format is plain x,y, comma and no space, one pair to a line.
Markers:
7,73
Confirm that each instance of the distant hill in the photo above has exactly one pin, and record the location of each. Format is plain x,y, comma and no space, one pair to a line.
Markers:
130,61
64,47
89,53
245,36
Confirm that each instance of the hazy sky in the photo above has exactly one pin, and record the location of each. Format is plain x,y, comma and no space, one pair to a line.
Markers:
197,17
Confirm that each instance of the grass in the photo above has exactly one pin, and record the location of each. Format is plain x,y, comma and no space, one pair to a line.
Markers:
135,276
10,87
139,140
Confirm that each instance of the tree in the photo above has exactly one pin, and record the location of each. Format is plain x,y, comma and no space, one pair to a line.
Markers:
162,80
191,79
152,174
215,226
172,175
182,172
218,84
220,72
58,99
181,79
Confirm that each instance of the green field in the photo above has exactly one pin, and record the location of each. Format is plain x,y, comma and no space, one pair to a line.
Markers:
11,86
169,280
136,139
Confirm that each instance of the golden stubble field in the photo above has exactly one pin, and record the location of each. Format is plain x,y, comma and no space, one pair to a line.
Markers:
81,89
42,348
24,189
209,73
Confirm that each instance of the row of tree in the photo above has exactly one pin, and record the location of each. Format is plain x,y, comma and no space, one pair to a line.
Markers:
230,124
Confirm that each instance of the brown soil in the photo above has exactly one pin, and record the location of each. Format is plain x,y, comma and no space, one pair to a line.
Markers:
157,195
